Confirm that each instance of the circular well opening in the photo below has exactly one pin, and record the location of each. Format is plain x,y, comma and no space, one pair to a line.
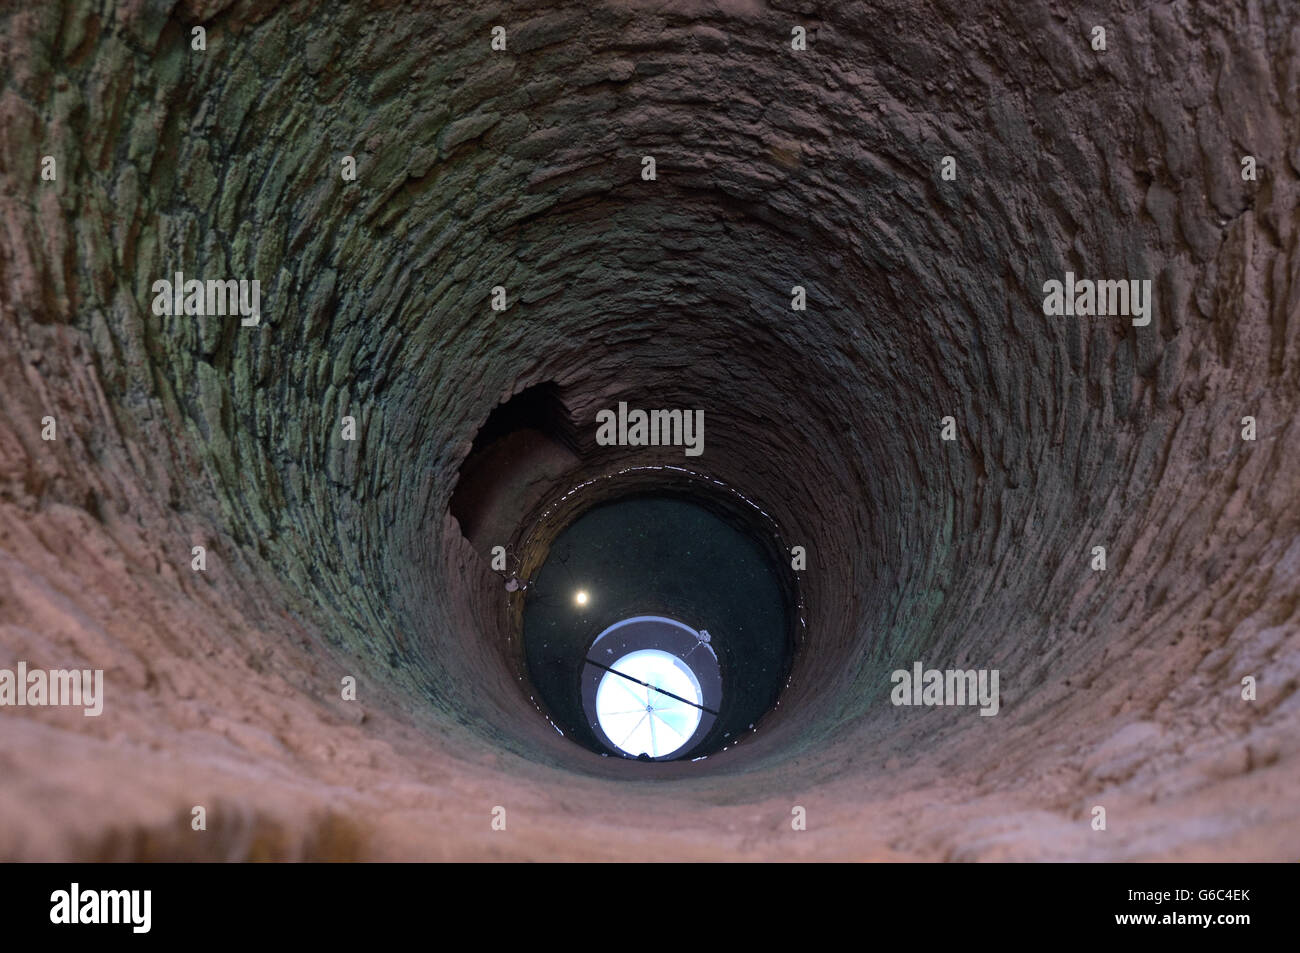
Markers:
648,704
651,688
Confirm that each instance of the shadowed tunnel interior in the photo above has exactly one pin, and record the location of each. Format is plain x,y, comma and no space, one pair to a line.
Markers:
774,167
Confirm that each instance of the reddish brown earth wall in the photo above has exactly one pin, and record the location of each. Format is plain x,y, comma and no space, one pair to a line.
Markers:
774,168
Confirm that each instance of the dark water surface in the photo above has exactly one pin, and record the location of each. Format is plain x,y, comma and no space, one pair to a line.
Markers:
659,555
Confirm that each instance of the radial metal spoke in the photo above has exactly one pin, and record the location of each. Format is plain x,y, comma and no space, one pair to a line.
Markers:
633,731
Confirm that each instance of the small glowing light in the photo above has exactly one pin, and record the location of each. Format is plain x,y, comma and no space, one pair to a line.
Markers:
580,597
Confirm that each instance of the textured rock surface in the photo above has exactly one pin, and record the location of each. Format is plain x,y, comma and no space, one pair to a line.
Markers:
775,168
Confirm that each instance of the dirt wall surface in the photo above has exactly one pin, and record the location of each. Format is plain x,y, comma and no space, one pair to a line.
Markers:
523,169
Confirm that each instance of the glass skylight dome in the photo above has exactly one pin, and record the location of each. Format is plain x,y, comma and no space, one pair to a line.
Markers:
649,702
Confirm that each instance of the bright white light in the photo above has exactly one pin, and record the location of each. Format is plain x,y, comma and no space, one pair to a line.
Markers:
640,720
580,597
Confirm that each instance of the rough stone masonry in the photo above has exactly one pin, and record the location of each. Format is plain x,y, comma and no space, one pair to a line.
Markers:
475,168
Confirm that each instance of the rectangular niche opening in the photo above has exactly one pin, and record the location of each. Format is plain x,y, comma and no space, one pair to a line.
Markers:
523,447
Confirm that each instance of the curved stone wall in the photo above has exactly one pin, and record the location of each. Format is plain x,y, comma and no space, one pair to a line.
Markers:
774,167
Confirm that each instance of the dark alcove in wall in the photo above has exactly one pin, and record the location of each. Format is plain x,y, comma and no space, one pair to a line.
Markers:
523,446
